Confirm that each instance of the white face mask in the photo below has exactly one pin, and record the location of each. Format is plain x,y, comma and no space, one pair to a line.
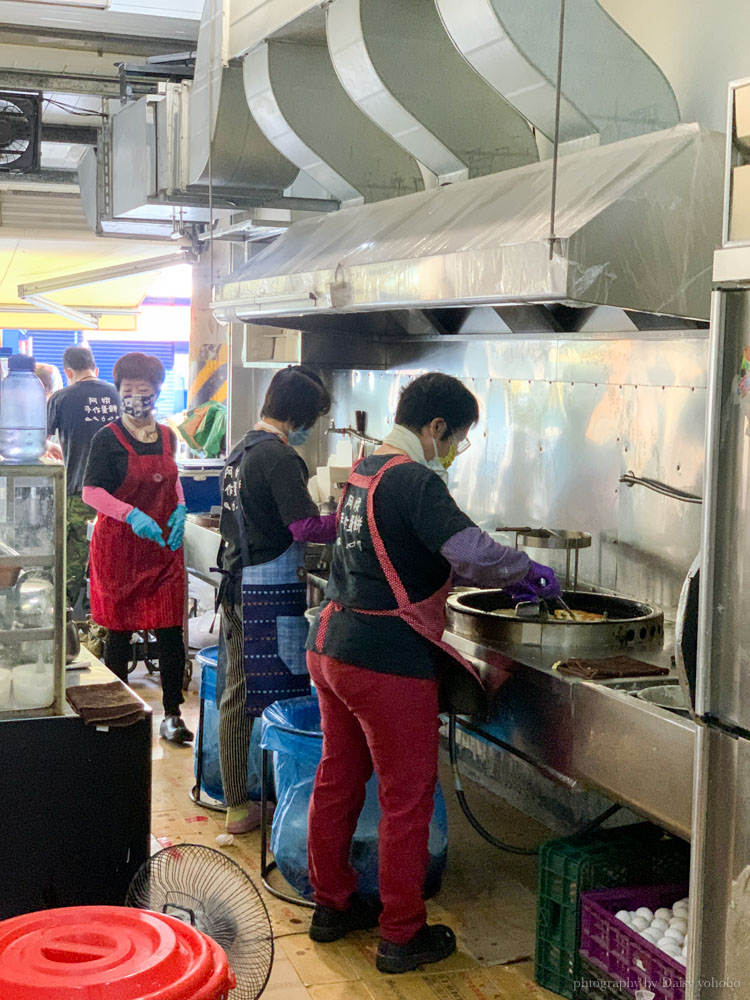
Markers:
436,465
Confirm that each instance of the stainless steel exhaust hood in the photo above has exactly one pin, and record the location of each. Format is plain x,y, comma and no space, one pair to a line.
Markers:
636,225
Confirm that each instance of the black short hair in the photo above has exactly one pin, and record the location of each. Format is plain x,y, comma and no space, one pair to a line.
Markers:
137,365
437,395
78,359
296,394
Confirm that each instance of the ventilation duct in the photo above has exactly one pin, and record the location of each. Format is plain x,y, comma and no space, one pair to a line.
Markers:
610,87
398,64
297,100
160,155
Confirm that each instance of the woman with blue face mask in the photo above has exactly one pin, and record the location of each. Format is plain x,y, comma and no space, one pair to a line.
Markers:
267,517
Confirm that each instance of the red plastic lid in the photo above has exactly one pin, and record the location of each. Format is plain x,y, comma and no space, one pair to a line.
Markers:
109,953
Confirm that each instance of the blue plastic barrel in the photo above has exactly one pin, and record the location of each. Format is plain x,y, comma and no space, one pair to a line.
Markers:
211,782
291,729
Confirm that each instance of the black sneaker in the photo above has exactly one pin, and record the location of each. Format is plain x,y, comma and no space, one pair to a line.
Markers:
174,730
430,944
330,925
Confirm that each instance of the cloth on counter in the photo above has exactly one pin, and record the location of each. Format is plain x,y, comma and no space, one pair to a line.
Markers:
315,529
479,560
609,666
105,704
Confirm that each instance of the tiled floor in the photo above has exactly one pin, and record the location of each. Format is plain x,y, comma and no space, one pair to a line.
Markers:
488,897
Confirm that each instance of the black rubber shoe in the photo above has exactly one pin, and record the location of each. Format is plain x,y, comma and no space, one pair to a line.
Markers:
430,944
329,925
174,730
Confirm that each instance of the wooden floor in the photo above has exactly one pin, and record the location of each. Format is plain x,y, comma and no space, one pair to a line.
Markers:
488,897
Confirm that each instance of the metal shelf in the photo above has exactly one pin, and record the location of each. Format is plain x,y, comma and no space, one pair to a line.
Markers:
26,634
26,562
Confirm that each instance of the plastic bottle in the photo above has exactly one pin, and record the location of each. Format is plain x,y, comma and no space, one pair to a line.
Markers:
23,412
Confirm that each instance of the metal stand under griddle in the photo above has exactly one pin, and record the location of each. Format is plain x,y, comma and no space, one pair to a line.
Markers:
555,538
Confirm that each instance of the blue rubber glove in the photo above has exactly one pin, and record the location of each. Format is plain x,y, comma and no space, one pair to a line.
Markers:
177,523
539,583
144,526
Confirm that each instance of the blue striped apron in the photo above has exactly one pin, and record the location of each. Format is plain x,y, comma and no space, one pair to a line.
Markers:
273,622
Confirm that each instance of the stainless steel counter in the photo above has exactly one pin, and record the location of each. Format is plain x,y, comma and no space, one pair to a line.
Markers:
201,547
590,733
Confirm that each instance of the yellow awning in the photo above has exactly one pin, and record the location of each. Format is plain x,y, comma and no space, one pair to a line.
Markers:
25,260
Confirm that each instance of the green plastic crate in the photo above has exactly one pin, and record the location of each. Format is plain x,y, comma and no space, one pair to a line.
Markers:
639,854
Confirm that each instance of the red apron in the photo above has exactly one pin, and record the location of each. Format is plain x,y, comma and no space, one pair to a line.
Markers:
136,584
426,617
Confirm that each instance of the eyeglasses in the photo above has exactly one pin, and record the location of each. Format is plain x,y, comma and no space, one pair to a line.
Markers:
463,446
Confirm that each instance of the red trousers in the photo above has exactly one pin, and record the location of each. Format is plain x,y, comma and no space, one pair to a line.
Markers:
390,724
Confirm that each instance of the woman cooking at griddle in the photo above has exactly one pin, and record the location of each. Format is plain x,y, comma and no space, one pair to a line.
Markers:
374,655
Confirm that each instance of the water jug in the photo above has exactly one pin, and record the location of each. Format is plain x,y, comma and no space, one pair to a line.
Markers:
23,412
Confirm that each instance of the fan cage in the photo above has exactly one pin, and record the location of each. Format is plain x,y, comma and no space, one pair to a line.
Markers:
205,888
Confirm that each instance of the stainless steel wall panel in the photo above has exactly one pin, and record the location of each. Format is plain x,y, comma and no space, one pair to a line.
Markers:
579,469
677,359
560,420
658,538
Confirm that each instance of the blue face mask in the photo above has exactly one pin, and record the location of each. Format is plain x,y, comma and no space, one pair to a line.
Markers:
298,436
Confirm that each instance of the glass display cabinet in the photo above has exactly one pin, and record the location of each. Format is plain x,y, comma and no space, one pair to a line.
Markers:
32,590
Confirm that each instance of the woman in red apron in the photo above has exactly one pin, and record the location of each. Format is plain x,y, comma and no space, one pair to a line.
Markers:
137,568
374,658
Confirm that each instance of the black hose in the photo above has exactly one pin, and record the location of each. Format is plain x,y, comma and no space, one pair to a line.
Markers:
490,838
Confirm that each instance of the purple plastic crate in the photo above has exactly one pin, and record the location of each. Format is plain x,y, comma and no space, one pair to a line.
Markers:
620,951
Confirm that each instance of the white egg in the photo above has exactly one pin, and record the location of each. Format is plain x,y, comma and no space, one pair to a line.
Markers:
672,932
639,923
650,935
623,915
644,912
663,913
659,925
632,914
669,945
685,900
679,924
681,959
679,908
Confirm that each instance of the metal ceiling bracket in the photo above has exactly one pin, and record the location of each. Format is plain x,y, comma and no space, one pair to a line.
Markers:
36,288
47,305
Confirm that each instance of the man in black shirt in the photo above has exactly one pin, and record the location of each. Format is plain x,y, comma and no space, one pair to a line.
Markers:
76,413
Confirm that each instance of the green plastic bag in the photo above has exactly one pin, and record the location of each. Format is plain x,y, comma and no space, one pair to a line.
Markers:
204,428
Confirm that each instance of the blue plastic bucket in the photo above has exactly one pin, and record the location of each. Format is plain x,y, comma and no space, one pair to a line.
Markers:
291,729
211,782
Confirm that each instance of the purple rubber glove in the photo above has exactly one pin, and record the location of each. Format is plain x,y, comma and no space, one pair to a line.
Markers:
538,584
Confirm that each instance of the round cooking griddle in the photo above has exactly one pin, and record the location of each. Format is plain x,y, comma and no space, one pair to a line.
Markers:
627,623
